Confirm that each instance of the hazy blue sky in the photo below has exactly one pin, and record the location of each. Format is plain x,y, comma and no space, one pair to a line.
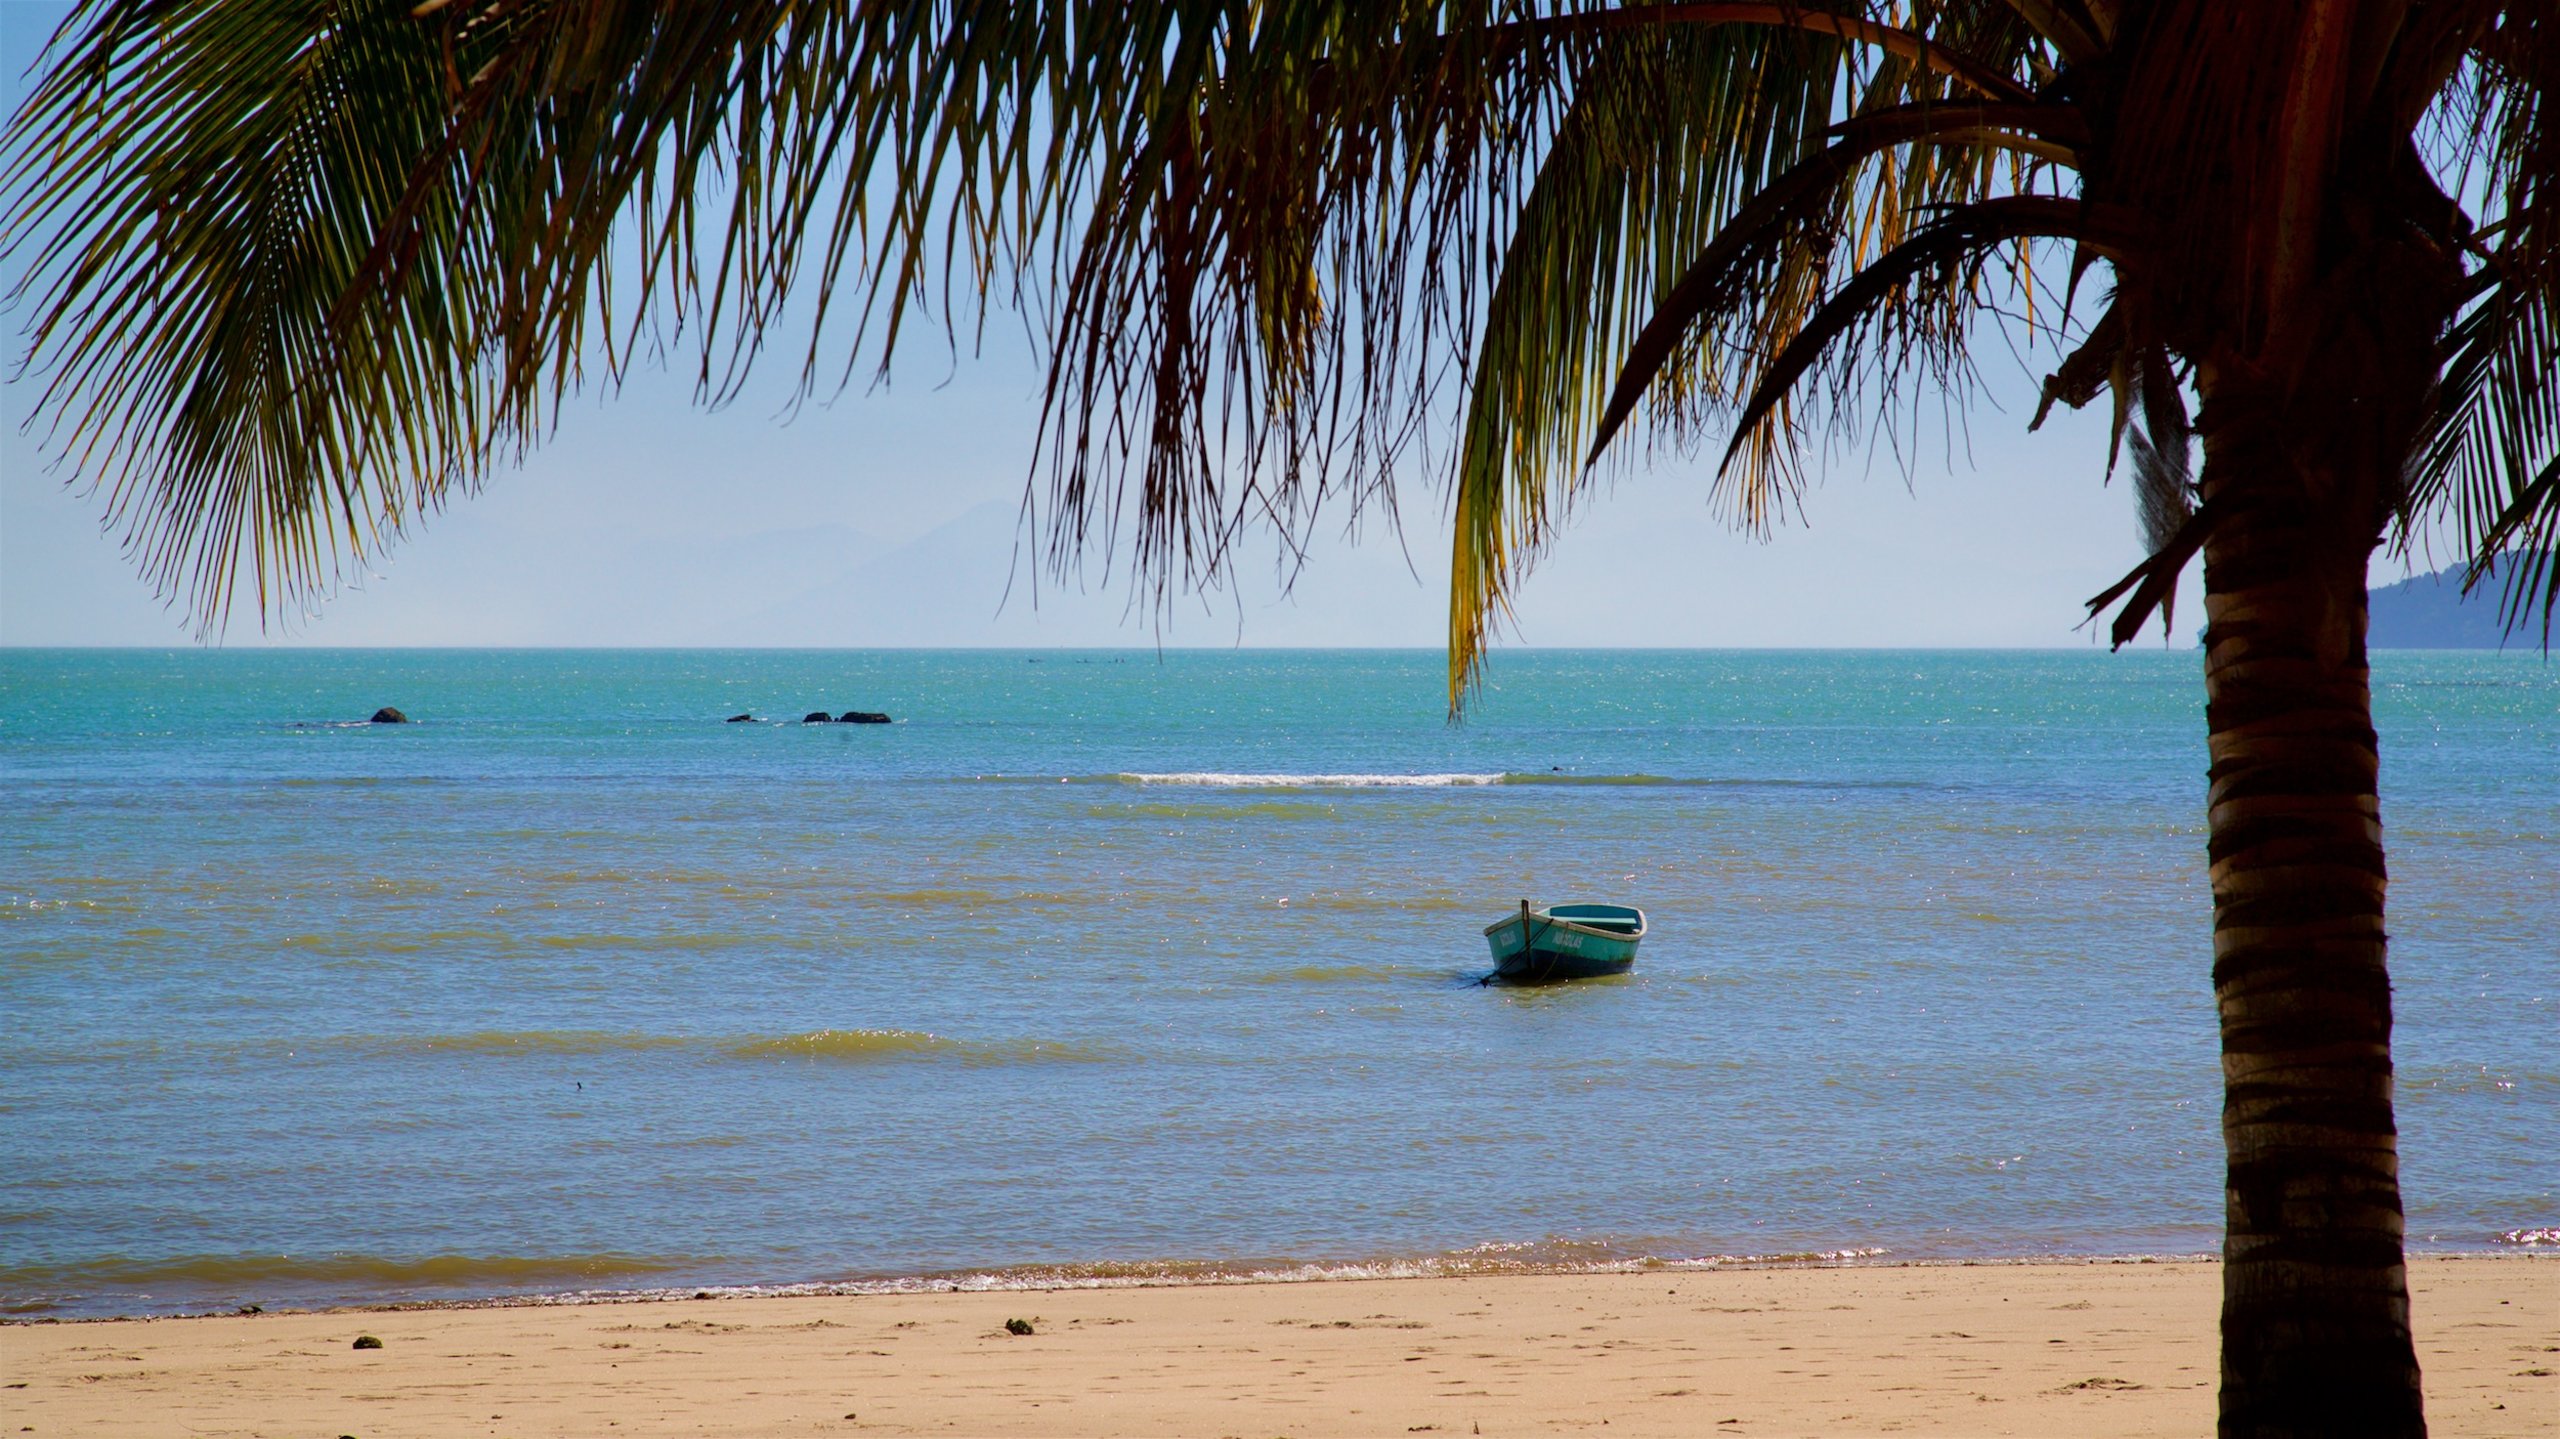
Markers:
888,518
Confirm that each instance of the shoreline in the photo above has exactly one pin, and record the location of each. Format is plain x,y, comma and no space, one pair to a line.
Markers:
1484,1262
1072,1278
2093,1347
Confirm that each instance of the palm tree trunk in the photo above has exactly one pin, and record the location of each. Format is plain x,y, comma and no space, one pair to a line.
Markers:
2315,1319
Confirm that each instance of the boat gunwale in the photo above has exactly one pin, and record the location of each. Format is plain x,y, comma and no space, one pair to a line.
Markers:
1643,925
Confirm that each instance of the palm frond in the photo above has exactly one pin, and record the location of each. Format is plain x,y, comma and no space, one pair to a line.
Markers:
1723,313
299,271
1784,207
2485,462
194,189
1951,246
1661,130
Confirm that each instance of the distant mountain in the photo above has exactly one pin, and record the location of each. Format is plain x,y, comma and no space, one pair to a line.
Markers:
2430,612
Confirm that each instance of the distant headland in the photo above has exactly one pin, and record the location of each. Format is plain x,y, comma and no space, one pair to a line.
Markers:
2430,612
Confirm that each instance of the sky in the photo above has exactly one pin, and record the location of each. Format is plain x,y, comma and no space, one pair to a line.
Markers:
890,518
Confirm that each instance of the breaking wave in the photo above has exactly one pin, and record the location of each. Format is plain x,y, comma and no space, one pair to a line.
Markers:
1453,779
1215,779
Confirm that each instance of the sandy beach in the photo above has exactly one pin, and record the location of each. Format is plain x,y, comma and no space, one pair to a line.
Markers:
2029,1349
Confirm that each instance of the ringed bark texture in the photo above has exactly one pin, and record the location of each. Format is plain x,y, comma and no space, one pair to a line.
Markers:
2316,1336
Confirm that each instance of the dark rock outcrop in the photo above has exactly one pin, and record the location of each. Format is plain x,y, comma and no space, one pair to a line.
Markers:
817,717
862,717
740,719
388,715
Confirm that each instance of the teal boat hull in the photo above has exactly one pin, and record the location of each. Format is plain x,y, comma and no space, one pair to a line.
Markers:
1568,941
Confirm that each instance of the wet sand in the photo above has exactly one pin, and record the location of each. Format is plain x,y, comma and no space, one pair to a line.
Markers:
2028,1349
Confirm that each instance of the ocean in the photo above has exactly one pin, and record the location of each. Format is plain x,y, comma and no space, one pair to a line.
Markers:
1107,967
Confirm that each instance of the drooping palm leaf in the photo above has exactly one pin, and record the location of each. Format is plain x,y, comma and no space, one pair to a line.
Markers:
1662,130
1314,216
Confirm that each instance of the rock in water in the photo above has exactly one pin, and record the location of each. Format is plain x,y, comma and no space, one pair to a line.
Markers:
817,717
740,719
862,717
388,715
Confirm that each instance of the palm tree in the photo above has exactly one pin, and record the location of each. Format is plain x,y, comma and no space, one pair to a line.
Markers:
297,271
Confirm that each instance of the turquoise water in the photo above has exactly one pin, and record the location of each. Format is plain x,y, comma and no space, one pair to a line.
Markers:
1104,966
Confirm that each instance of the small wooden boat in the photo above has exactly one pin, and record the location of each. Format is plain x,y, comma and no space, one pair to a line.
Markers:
1566,941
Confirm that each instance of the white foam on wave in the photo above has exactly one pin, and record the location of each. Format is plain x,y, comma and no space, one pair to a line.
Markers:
1213,779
